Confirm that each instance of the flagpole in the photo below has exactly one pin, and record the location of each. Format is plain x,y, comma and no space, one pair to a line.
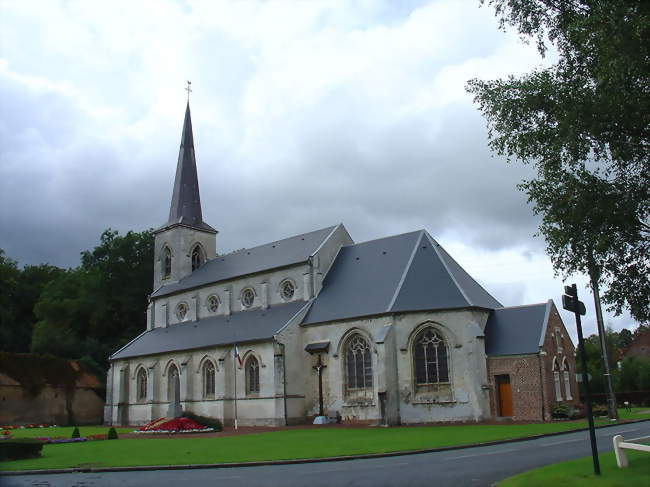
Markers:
234,364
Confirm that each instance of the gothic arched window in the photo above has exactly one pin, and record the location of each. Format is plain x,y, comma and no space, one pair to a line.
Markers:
567,381
197,257
172,380
141,381
358,363
431,358
252,375
556,381
208,379
166,262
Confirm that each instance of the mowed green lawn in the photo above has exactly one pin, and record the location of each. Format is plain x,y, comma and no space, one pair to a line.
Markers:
580,473
277,445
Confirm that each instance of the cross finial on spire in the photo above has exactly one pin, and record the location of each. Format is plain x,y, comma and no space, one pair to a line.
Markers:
189,90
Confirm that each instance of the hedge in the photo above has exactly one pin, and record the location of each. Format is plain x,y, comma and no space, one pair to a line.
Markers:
20,449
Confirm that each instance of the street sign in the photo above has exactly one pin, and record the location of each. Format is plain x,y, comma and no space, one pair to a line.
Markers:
568,303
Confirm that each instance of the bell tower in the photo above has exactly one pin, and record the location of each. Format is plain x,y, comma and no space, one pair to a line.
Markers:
185,242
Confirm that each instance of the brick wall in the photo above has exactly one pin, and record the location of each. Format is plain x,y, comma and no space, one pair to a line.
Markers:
558,346
525,382
531,376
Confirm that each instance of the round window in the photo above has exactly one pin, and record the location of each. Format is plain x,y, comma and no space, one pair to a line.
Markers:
181,311
247,297
287,290
213,303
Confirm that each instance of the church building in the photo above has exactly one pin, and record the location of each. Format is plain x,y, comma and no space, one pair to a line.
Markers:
390,331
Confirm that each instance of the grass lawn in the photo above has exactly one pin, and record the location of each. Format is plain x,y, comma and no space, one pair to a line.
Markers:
580,472
277,445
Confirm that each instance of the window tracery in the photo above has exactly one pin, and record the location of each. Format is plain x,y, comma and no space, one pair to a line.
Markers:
431,358
181,311
358,360
213,303
287,290
247,297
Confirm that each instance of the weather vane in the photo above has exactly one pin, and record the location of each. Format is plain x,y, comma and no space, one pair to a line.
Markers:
189,90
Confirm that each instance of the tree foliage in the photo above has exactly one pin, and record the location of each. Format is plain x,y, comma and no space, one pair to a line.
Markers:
584,123
20,289
89,312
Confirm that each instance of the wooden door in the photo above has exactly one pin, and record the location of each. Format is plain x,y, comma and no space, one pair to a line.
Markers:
505,395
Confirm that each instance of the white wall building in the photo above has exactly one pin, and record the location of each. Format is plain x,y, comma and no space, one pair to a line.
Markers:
395,327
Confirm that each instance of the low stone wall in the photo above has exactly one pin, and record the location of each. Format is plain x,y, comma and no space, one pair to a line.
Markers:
51,405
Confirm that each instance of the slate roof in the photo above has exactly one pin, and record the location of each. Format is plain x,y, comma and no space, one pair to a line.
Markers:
407,272
241,327
517,330
185,208
281,253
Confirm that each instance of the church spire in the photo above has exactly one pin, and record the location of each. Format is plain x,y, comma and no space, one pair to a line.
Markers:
185,208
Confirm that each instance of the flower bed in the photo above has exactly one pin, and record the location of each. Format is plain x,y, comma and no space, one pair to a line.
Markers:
177,425
58,439
26,426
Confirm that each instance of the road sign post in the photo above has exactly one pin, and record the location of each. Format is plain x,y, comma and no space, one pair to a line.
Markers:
571,303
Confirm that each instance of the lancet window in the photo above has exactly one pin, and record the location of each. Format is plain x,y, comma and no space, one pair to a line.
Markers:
252,375
141,382
208,379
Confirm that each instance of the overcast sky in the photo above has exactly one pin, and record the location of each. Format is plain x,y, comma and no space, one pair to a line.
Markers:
305,114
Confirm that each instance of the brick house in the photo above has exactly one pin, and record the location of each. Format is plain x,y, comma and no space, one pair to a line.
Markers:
531,362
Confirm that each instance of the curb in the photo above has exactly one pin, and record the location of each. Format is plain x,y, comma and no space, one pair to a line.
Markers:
262,463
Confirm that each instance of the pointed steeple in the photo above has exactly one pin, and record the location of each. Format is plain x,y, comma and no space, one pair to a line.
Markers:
186,200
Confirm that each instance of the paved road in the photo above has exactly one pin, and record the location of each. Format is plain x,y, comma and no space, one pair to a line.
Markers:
465,467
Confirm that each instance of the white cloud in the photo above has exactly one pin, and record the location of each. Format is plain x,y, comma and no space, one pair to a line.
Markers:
305,114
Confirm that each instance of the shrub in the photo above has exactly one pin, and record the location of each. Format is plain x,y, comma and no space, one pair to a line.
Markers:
75,433
599,410
213,423
20,449
112,434
578,411
560,411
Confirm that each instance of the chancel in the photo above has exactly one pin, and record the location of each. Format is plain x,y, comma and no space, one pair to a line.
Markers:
389,331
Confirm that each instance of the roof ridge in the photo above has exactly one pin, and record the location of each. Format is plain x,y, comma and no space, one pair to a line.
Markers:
436,244
543,303
407,267
385,238
272,242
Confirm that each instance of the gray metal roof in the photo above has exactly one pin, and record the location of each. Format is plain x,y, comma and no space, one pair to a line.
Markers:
185,208
244,326
289,251
407,272
516,330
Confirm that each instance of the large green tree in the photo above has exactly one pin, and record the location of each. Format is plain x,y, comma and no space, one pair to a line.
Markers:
584,123
20,289
89,312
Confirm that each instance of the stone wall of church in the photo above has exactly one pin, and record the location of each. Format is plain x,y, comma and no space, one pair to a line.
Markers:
180,240
394,396
263,407
266,287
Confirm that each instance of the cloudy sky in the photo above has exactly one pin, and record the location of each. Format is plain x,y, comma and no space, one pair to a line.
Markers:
305,114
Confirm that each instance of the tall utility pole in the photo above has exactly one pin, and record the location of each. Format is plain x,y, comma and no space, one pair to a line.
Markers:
612,410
